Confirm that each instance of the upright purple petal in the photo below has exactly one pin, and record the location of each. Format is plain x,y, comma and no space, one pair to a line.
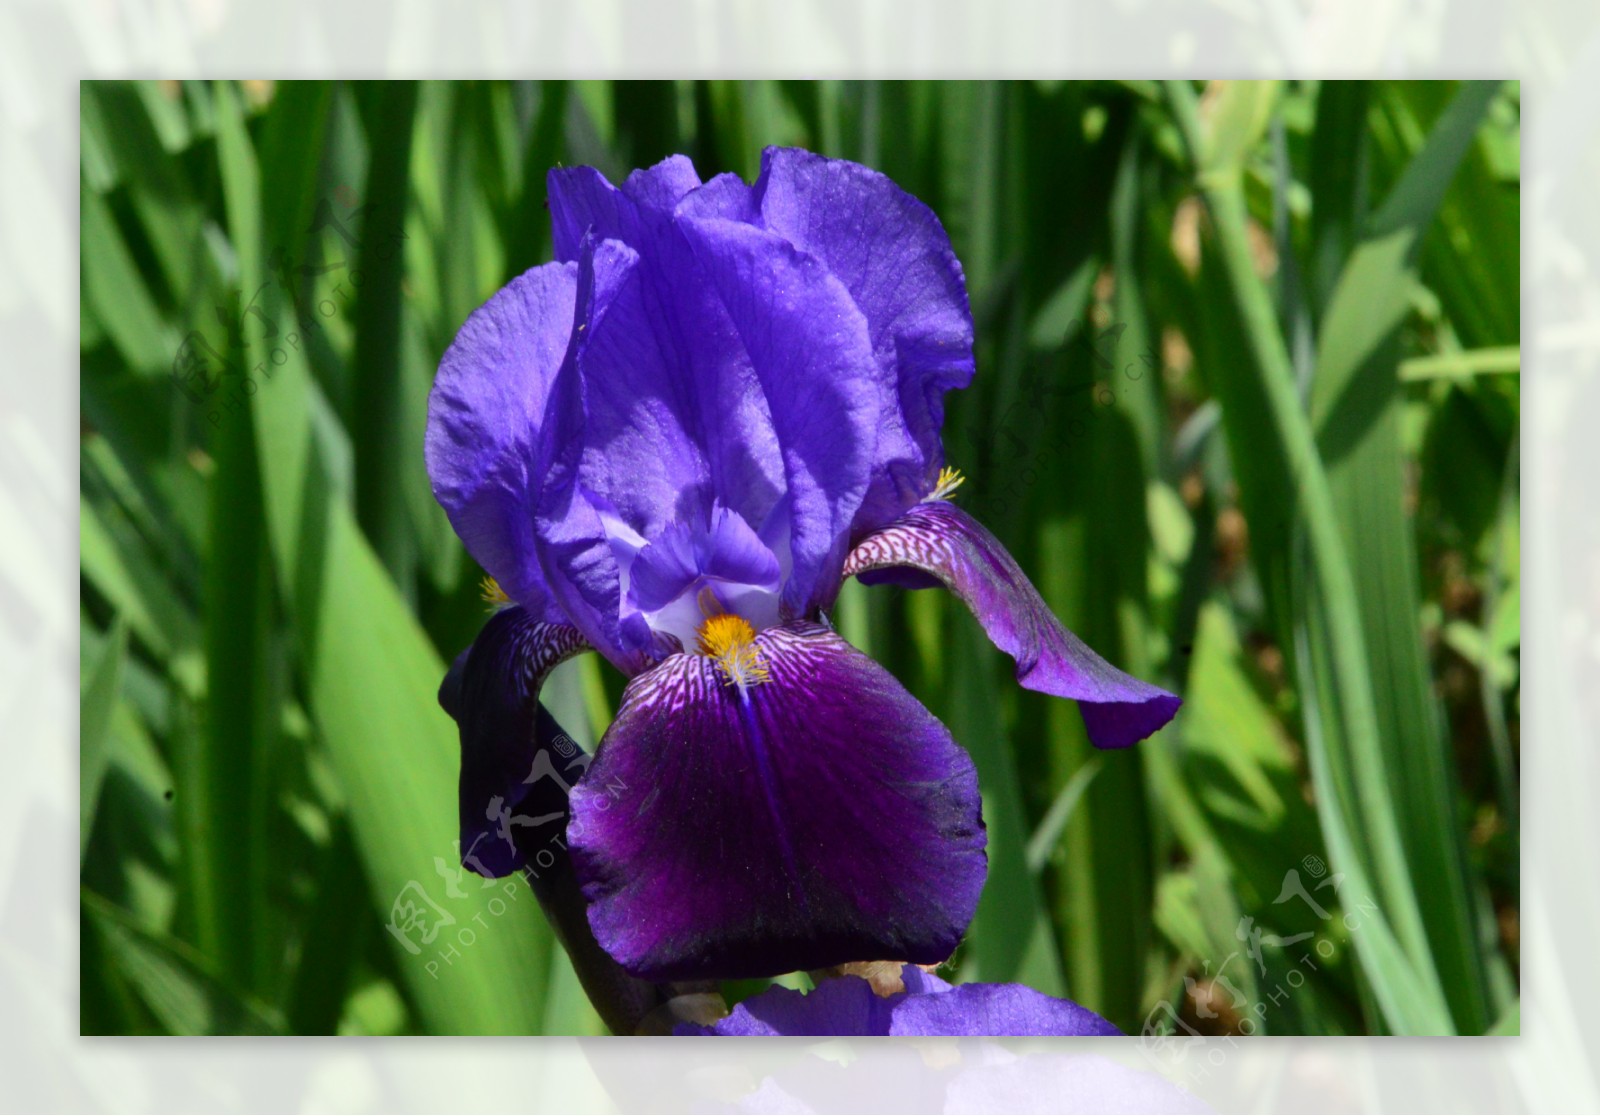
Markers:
492,692
484,426
816,818
809,348
662,417
579,563
939,538
583,203
892,255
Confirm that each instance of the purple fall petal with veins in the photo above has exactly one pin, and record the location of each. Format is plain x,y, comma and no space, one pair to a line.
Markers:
939,539
817,816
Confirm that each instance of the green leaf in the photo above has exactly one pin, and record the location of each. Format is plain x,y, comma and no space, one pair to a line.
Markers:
1505,359
1362,830
1355,405
102,688
171,979
370,677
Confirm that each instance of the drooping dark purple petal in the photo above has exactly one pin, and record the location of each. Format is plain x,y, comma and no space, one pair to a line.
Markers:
808,345
492,692
892,255
484,420
813,819
939,538
534,844
847,1006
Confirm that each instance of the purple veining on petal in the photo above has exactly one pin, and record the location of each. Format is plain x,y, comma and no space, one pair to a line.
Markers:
809,820
939,538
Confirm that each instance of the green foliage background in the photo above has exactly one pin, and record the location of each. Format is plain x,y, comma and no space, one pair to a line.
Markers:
1246,410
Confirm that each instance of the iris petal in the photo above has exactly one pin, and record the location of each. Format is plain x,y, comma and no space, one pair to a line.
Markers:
809,348
847,1006
939,538
995,1009
893,257
814,819
583,202
492,692
484,421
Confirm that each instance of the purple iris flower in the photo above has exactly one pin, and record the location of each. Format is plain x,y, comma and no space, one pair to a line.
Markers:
926,1005
671,446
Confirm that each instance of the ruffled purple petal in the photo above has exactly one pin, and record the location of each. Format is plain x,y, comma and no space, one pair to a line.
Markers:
575,552
658,419
813,819
994,1009
892,255
939,538
677,418
583,203
484,420
847,1006
809,348
492,692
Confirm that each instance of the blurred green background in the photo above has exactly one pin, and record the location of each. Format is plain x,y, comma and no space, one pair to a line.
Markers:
1246,410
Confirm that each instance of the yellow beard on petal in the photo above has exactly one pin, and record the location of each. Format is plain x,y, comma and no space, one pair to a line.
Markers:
730,640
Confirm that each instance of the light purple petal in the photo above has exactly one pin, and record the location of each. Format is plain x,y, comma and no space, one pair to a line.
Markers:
692,570
892,255
663,419
939,538
809,348
847,1006
726,549
816,818
994,1009
573,545
492,692
844,1007
484,420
